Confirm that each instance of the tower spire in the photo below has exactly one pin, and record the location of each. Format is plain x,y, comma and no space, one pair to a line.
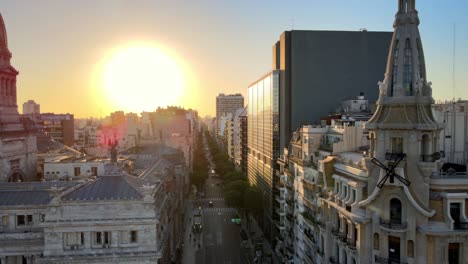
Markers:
405,88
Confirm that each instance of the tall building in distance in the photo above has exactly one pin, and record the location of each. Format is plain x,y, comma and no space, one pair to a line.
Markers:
227,104
17,142
453,140
60,127
31,108
313,71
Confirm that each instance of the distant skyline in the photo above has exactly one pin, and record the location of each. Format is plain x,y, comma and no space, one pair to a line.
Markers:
58,46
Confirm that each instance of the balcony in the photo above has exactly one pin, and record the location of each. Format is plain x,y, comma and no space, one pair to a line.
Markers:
280,199
393,225
326,147
394,156
280,225
460,226
308,258
290,218
351,244
430,158
335,232
388,260
280,212
309,218
280,187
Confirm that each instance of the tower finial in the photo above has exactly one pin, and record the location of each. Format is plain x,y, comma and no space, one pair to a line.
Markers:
406,6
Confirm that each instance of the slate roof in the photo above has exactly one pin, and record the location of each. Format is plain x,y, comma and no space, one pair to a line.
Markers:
114,185
30,193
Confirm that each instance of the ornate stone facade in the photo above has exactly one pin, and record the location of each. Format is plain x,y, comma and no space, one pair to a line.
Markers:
393,203
17,144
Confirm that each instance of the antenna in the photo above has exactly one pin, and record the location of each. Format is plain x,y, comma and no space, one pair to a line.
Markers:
453,59
292,23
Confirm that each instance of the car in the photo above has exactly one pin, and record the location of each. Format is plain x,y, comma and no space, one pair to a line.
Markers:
210,204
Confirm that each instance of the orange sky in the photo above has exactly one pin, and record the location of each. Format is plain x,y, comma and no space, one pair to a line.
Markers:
58,46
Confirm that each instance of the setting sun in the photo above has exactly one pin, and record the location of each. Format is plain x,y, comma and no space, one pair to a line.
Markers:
141,78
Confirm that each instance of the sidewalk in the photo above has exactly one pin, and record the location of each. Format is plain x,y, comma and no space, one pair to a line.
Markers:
269,256
189,248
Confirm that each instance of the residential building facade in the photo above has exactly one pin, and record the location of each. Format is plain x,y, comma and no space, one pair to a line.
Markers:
227,104
392,203
453,140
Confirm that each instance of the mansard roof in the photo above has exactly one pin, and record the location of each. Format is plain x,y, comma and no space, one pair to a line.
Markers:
114,185
31,193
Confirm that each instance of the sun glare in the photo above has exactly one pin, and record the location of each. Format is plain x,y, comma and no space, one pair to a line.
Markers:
141,78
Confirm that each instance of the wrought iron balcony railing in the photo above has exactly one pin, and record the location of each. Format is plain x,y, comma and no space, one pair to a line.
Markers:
393,225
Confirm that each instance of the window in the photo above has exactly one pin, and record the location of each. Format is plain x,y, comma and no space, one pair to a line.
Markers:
133,237
94,171
397,145
376,241
410,248
454,253
23,220
395,67
77,171
395,211
98,238
102,238
5,220
407,69
74,239
455,214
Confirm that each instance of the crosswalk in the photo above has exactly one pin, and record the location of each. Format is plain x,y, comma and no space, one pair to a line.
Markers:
214,199
218,210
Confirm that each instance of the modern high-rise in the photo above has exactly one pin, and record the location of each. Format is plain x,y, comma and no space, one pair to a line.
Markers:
313,71
227,104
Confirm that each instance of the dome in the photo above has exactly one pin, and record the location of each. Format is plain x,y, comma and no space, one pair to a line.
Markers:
3,34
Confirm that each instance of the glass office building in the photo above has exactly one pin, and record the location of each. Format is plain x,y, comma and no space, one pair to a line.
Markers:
263,138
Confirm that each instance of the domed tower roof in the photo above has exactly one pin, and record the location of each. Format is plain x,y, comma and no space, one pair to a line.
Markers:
5,54
405,95
3,34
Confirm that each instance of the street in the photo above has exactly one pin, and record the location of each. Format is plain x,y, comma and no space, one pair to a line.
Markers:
219,241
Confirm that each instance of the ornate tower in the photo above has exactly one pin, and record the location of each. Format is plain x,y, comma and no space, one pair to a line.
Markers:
8,105
403,134
17,143
404,122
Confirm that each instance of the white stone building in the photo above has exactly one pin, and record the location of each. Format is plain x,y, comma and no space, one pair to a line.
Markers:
453,139
116,218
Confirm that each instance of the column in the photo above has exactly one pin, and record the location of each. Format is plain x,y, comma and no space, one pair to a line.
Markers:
87,240
13,92
28,259
2,260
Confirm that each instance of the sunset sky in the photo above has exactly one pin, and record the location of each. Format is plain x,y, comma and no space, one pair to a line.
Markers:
60,47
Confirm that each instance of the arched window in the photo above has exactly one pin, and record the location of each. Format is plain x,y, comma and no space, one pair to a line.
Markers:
376,241
407,69
372,145
395,66
395,211
425,147
410,252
